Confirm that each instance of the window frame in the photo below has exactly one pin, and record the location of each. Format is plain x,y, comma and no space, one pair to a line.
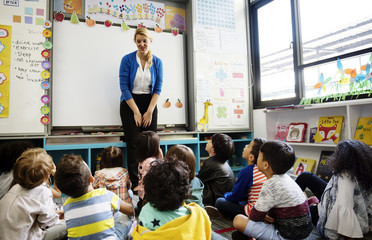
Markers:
298,65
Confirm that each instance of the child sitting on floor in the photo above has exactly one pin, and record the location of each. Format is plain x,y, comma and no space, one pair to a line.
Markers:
185,154
166,216
248,184
216,174
27,209
280,197
88,211
112,175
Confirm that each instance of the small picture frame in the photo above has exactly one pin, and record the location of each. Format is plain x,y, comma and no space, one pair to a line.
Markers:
296,132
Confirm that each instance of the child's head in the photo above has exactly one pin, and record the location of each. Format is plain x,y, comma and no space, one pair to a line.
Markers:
10,152
251,150
33,168
278,155
72,176
167,184
147,145
112,157
222,146
185,154
354,158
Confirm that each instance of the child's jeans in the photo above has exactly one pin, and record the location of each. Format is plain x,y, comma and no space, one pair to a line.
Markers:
228,208
58,231
122,225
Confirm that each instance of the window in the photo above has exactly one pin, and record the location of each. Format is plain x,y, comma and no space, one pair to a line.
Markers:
310,48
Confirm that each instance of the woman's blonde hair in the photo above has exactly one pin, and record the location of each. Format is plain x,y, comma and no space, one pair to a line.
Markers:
145,32
32,168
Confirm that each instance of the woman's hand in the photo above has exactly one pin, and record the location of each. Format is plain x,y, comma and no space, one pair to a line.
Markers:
138,119
146,119
269,219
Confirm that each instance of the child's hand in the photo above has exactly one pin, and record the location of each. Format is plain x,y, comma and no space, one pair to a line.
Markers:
269,219
61,214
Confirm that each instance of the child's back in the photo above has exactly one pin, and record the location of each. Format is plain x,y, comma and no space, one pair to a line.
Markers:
28,209
112,175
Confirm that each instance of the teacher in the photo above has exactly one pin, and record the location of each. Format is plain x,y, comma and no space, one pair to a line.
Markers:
141,79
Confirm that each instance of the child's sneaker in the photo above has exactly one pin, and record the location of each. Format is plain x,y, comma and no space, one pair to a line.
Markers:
213,212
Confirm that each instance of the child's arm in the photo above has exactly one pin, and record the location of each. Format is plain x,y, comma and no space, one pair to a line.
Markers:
55,191
126,208
241,186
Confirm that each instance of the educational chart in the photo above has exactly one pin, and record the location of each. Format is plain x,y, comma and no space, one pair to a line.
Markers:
219,14
132,12
21,57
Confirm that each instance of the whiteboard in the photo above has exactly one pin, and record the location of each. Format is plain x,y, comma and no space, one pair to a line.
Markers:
25,68
86,62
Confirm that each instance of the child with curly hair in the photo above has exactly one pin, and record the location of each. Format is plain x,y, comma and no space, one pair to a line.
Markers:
166,216
345,208
185,154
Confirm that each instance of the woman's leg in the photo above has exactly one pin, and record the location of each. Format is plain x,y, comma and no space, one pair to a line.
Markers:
312,182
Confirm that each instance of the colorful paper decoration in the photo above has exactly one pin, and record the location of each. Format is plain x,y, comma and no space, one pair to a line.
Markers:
44,120
46,64
47,45
45,85
47,33
124,26
45,53
74,18
45,74
44,109
59,17
45,99
47,24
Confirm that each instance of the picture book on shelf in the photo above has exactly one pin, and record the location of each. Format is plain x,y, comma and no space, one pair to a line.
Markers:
303,164
281,132
312,132
329,129
363,131
296,132
324,171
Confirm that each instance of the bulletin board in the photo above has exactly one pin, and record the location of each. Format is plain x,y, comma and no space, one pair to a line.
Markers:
86,62
21,44
221,74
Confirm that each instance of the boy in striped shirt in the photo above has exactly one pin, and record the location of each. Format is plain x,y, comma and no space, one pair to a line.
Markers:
89,212
246,188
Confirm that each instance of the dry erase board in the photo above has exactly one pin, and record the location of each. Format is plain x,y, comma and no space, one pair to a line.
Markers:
86,63
21,44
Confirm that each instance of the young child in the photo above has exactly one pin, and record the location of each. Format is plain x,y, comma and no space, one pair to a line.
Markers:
112,175
88,211
280,197
9,152
248,184
27,209
186,155
216,174
147,150
345,208
165,216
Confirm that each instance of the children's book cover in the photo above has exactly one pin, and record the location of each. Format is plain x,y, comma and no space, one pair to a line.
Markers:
312,132
329,129
296,132
324,171
363,131
303,164
281,132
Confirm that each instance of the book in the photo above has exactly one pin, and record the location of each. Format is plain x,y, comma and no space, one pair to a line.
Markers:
312,132
329,129
303,164
281,132
296,132
324,171
363,131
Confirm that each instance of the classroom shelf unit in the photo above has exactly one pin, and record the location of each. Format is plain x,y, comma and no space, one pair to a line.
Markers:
89,147
351,110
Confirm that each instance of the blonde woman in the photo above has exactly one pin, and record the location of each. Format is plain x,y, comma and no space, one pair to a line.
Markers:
141,79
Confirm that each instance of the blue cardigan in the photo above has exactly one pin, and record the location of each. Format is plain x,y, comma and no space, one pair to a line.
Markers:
128,71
